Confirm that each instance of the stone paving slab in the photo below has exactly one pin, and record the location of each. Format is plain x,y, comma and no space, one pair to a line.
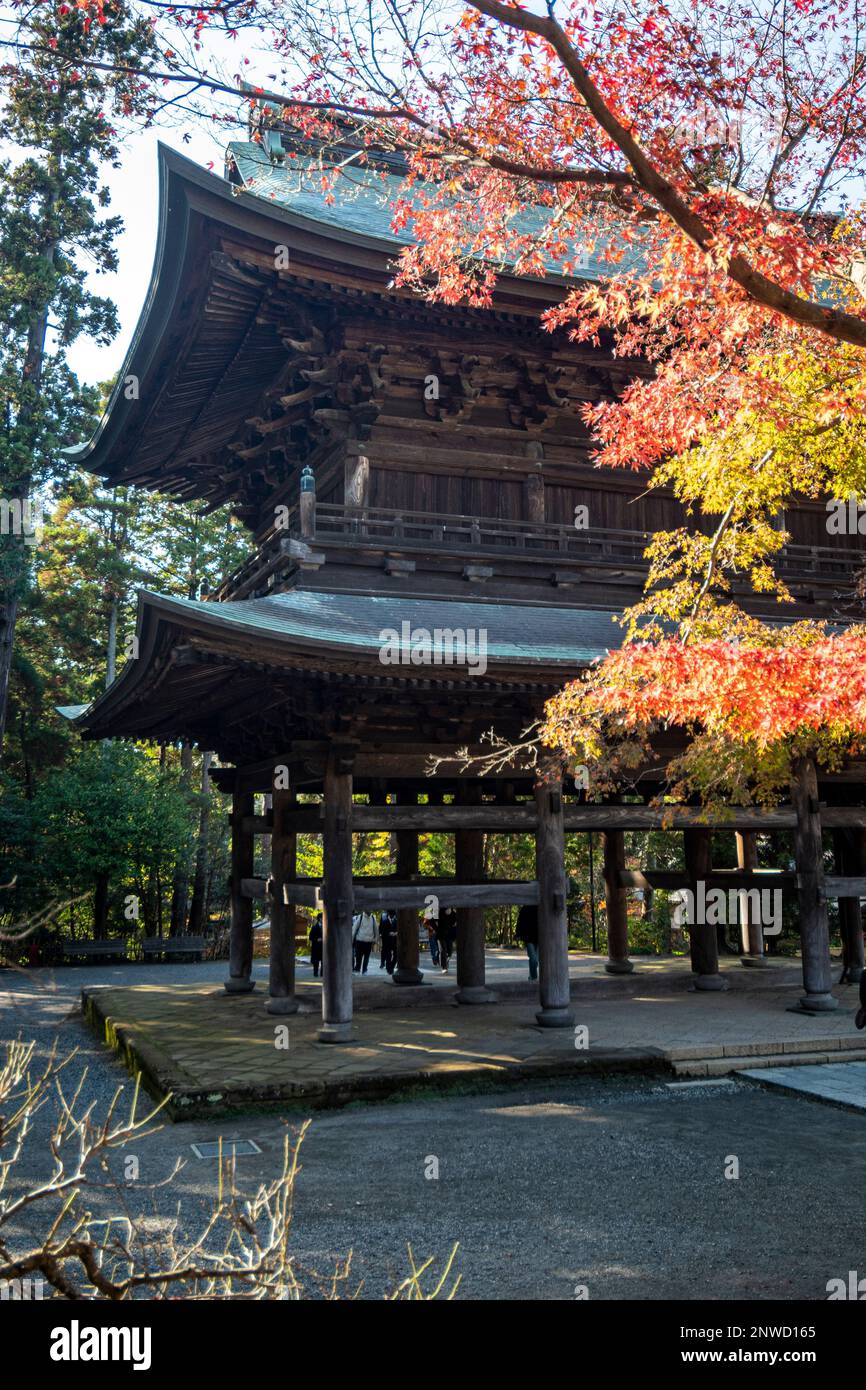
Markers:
214,1052
837,1083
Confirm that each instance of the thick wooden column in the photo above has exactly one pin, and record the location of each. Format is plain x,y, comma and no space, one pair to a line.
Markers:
751,930
469,868
616,901
703,943
849,848
814,926
241,922
337,900
406,971
553,983
281,978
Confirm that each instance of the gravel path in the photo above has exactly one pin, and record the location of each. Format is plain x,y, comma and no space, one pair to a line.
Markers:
617,1186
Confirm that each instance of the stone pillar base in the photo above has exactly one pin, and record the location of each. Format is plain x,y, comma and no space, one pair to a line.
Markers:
619,967
407,975
711,983
750,960
335,1033
475,994
555,1018
239,984
815,1004
282,1005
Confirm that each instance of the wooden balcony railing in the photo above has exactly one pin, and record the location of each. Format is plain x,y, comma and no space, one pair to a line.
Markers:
394,530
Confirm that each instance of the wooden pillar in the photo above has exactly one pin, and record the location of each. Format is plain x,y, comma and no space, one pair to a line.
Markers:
814,925
406,971
469,868
337,898
703,943
241,921
281,979
616,901
553,982
751,930
849,847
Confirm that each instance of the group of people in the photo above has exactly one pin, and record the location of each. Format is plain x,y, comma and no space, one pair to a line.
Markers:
441,928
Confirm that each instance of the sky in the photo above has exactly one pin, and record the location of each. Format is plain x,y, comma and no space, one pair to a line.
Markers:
135,197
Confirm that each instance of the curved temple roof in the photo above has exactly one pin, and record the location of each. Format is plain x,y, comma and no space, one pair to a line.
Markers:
212,332
321,631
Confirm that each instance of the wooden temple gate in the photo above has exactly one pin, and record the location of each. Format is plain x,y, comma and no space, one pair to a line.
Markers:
549,815
293,388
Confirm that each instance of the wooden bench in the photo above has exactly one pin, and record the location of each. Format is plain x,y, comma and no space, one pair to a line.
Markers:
171,946
93,950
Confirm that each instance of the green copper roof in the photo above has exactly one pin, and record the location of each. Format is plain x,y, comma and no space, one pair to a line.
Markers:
312,629
362,200
522,633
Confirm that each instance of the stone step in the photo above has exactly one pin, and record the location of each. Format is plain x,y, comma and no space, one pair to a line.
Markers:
786,1047
722,1066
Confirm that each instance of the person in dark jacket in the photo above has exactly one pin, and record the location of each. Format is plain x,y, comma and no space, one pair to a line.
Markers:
860,1018
316,944
388,934
431,924
527,934
446,935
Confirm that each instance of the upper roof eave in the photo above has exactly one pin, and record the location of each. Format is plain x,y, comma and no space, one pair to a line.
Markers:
184,187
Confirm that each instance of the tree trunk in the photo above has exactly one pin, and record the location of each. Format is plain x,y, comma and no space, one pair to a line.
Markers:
180,885
8,617
197,909
100,908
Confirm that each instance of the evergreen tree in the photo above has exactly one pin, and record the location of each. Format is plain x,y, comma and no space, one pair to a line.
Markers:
59,113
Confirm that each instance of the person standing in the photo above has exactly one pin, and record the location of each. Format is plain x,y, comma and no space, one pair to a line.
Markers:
446,933
431,922
316,944
527,934
363,937
388,934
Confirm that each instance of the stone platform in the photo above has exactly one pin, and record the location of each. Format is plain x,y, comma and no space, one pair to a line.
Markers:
213,1053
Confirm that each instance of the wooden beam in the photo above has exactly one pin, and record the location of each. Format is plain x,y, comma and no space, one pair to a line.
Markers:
254,887
837,886
413,895
522,819
672,879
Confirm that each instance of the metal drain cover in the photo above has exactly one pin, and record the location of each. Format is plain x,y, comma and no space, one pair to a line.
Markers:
228,1147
